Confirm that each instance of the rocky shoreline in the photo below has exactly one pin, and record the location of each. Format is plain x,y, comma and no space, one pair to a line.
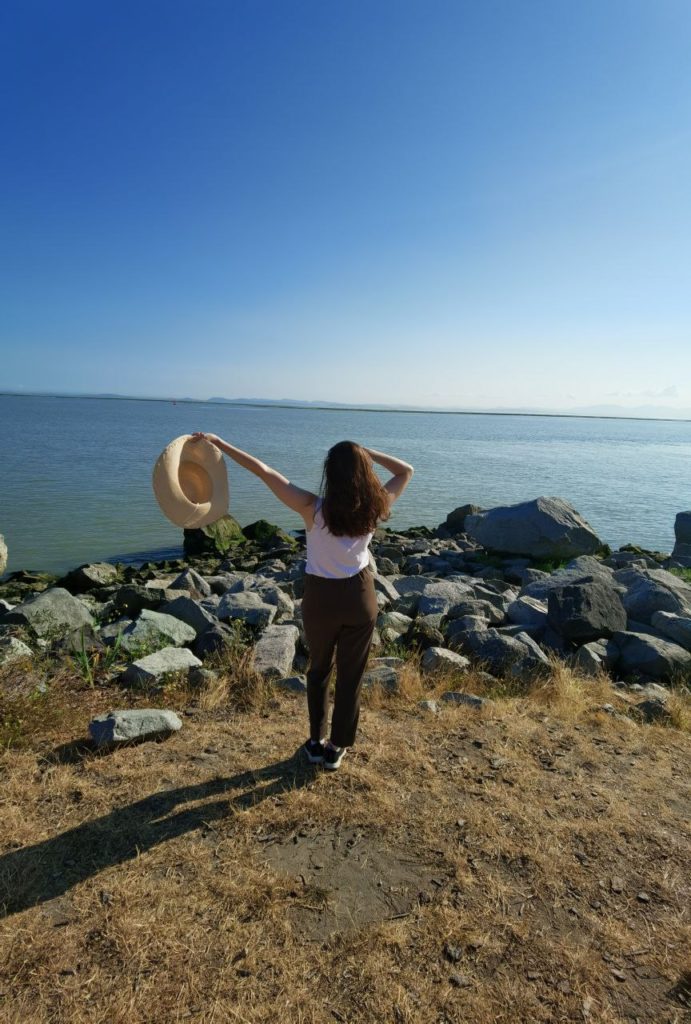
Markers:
504,590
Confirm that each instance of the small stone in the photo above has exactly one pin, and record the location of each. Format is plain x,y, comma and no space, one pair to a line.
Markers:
616,973
452,953
459,980
643,897
617,884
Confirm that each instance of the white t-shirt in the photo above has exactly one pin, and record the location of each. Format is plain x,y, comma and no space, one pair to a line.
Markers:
334,557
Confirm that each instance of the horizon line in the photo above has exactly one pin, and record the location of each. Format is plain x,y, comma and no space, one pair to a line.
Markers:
287,403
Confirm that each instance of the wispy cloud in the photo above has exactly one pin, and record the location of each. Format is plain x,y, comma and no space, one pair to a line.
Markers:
671,392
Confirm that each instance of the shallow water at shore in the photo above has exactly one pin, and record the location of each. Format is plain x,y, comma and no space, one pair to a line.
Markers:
76,473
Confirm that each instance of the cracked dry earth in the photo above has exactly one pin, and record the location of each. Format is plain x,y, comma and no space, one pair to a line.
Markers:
503,865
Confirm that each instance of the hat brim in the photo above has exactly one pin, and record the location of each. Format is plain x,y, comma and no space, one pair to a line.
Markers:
190,483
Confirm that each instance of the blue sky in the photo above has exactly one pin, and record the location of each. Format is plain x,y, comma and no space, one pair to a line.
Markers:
473,204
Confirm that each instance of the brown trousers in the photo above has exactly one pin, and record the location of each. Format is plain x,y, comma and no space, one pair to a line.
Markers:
339,618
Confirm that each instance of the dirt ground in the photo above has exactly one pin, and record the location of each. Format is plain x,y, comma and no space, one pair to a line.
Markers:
530,861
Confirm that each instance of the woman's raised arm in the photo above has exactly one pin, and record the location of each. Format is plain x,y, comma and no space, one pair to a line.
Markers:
402,472
296,498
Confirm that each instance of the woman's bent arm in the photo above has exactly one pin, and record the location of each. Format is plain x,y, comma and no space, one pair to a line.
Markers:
294,497
402,471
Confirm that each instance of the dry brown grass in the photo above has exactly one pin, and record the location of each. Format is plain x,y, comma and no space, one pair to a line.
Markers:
533,857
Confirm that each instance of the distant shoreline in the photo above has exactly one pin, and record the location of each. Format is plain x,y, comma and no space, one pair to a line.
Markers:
344,408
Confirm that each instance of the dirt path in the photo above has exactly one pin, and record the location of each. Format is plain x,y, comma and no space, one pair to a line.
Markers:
505,865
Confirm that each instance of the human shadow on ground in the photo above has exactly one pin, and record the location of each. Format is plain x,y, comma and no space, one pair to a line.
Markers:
35,874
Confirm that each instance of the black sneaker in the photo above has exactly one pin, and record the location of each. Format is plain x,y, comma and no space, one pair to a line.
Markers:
315,751
333,756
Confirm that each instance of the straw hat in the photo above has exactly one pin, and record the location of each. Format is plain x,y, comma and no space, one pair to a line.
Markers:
191,483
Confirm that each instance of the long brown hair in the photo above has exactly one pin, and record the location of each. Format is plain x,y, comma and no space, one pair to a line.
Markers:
354,499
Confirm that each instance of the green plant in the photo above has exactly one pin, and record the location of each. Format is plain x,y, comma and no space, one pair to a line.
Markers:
90,662
683,574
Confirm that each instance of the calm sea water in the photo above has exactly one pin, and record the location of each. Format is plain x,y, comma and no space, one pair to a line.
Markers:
76,473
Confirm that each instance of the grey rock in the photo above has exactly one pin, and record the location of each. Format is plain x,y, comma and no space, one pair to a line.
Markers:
429,705
156,629
455,521
109,634
191,581
275,650
394,621
381,675
682,528
202,677
133,598
187,610
384,586
653,710
89,577
458,697
676,627
13,649
247,606
215,640
649,656
5,606
155,667
221,582
50,615
440,595
588,661
129,725
653,590
506,654
527,611
436,658
586,611
3,555
532,575
478,608
542,528
293,684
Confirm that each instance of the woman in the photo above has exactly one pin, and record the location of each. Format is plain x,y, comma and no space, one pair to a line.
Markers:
339,607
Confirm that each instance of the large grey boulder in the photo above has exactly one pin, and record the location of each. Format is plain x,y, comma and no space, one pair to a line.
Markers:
275,650
266,590
456,520
479,608
506,655
396,622
155,629
439,595
649,656
127,726
155,667
13,649
676,627
89,577
527,611
187,610
595,657
3,555
436,659
51,615
586,611
541,528
653,590
247,606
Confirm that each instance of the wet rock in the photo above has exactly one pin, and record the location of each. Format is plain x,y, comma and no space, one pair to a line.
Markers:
216,539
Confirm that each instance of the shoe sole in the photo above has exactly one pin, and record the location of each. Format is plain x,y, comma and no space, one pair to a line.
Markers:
333,765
